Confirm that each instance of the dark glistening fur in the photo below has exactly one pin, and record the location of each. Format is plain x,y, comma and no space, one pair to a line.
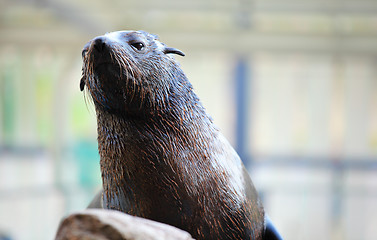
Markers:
162,158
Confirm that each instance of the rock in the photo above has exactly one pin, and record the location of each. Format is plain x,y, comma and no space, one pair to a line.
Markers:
100,224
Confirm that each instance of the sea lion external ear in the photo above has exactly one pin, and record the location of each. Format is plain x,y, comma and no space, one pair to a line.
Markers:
82,84
173,50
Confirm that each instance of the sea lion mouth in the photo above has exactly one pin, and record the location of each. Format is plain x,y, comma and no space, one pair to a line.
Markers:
110,68
101,61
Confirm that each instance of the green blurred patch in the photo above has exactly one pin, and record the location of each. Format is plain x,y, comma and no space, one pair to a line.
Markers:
8,103
87,158
44,101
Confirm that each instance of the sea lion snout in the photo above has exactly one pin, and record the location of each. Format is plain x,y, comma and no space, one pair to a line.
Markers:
99,51
99,43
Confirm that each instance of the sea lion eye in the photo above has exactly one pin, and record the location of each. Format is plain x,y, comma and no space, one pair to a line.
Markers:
138,45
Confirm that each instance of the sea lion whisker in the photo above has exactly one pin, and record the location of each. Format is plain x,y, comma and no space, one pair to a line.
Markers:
93,94
89,74
124,63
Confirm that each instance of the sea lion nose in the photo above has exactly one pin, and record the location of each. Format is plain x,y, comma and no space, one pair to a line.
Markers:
99,43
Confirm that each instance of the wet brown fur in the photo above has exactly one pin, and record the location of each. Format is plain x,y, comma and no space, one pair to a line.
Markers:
162,157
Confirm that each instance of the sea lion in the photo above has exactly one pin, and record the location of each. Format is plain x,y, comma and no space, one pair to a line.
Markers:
162,157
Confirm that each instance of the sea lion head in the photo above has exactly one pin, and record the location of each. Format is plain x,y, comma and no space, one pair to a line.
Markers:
128,71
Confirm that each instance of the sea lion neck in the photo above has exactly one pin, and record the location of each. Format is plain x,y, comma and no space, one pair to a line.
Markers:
137,156
180,116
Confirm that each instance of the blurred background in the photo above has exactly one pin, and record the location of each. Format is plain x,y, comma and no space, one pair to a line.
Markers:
291,83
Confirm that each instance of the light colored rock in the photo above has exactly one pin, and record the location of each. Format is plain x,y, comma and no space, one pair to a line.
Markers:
100,224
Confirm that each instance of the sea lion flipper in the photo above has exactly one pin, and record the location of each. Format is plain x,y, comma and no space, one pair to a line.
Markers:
270,232
97,201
